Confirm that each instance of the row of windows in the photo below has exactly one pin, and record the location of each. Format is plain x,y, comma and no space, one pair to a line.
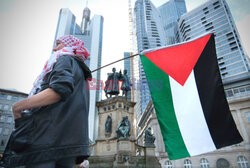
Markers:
9,97
233,72
198,14
229,55
230,61
241,161
235,65
194,19
5,107
7,119
223,29
113,107
237,92
216,23
224,41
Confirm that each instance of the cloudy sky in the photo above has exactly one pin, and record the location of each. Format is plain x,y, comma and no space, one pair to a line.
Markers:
28,28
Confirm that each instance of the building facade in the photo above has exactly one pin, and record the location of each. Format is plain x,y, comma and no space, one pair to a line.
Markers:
171,12
127,66
7,99
236,156
91,33
215,16
66,23
149,34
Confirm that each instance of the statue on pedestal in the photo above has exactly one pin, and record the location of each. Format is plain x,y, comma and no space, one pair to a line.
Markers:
149,138
108,125
125,83
123,128
112,83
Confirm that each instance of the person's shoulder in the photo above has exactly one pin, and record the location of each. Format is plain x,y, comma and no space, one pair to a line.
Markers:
66,58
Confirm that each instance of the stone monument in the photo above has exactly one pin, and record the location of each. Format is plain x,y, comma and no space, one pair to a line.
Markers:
116,145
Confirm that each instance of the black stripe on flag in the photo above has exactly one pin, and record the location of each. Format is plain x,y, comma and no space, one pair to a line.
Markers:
212,96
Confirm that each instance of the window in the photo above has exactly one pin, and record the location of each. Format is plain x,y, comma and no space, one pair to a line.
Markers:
216,7
6,131
1,129
242,162
222,163
2,143
9,97
2,96
187,163
6,107
248,116
21,98
204,163
9,119
217,2
2,118
205,8
15,98
206,12
168,164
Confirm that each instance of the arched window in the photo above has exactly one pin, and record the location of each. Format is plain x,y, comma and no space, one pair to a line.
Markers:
204,163
168,164
187,163
242,162
222,163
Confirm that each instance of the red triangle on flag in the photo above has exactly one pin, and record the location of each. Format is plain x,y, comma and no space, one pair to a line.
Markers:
178,61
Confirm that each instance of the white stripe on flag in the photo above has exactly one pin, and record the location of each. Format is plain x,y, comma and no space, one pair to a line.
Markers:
190,117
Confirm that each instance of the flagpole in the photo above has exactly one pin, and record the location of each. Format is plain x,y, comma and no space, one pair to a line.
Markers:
114,62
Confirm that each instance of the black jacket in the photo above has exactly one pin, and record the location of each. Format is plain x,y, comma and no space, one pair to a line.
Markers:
58,130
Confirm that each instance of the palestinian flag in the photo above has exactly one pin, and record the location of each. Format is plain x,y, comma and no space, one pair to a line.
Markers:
189,99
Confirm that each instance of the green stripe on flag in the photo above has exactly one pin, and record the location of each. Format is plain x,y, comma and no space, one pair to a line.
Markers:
160,90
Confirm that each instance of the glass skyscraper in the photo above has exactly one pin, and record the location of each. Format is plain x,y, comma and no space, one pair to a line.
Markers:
149,34
215,16
66,23
91,33
127,66
171,12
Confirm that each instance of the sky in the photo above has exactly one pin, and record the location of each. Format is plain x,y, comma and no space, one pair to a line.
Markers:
27,32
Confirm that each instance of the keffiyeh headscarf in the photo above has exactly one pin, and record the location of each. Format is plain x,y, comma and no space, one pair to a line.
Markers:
74,47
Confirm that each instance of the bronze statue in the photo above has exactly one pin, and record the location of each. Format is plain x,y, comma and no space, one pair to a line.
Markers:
125,83
108,125
149,138
112,83
123,128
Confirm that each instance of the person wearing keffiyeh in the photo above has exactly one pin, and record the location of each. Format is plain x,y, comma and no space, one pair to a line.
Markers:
51,125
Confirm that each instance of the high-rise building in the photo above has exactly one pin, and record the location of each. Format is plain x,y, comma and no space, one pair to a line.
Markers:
90,32
95,31
215,16
66,23
171,12
7,99
85,18
150,34
127,66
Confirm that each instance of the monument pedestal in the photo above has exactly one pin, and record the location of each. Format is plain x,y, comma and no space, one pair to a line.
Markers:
110,151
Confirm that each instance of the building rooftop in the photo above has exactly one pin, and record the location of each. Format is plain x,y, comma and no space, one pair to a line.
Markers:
14,91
